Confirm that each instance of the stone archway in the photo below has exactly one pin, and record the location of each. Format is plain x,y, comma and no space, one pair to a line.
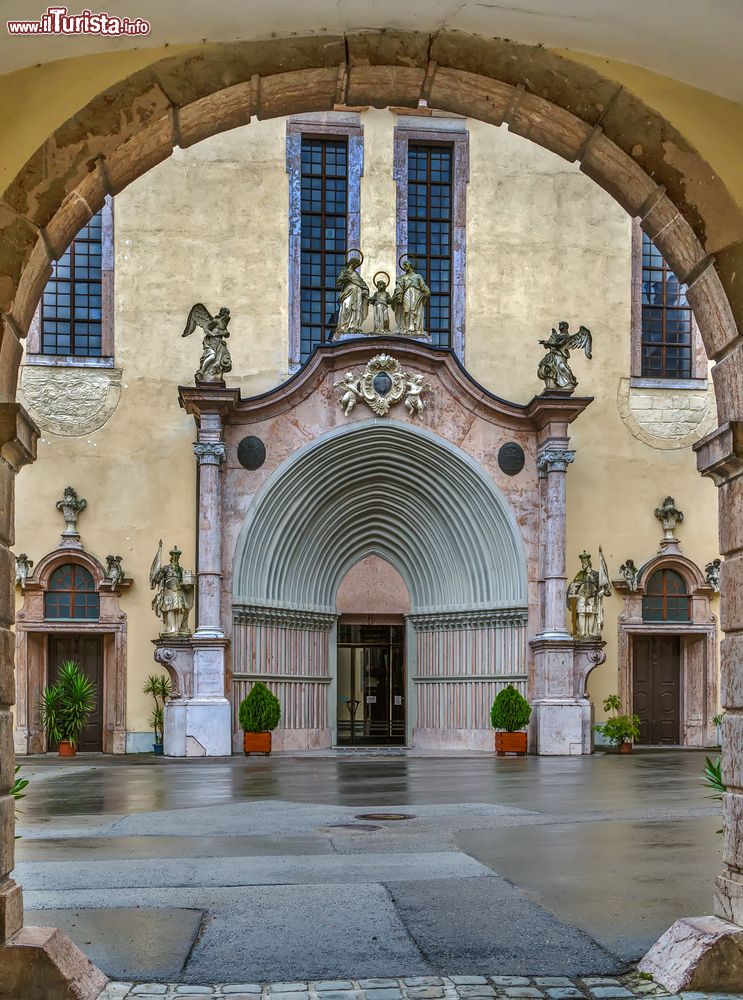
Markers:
630,150
412,499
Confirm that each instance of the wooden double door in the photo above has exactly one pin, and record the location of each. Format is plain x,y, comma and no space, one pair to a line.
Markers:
657,687
87,652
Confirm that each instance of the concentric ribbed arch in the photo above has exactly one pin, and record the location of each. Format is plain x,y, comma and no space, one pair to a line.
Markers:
381,488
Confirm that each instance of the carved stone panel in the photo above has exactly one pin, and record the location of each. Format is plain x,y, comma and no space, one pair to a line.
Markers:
70,401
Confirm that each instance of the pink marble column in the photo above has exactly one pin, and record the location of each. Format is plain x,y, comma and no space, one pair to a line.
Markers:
210,453
553,464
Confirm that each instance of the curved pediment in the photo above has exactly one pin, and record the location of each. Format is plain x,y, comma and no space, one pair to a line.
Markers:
330,362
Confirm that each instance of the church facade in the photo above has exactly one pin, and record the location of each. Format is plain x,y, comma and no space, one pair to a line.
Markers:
382,526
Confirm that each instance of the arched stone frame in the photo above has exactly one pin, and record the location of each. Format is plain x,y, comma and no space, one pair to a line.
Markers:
467,627
629,149
698,681
32,635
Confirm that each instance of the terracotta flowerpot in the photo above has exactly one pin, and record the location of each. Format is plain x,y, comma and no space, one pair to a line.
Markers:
66,749
510,743
257,743
624,747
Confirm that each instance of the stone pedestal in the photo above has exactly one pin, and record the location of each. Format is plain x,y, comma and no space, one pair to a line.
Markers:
197,716
557,727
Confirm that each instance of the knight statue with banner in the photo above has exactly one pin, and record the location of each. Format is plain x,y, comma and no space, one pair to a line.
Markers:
175,592
586,597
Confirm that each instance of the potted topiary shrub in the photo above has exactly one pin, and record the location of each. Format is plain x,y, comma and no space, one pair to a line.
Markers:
158,685
259,715
621,730
66,707
510,715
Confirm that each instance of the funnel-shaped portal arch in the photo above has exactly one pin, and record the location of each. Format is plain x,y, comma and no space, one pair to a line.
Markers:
381,488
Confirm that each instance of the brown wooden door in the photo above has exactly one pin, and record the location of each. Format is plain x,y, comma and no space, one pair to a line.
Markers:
657,688
87,651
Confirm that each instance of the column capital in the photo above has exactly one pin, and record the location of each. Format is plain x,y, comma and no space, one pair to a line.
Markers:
555,459
209,452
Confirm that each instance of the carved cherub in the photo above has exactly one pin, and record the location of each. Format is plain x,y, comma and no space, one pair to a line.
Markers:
712,574
114,570
351,392
415,387
630,572
23,567
215,358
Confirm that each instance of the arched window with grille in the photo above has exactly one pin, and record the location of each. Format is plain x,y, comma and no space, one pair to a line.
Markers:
71,595
666,598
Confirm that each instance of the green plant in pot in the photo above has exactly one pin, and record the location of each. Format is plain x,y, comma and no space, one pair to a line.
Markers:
66,707
158,685
259,715
510,716
621,730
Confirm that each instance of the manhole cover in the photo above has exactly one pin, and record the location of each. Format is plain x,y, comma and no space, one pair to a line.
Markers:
364,827
385,817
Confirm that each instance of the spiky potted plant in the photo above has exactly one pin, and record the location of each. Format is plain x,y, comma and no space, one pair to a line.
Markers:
259,715
510,716
158,685
66,707
621,730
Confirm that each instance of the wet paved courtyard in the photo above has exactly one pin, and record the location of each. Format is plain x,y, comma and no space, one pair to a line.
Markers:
295,869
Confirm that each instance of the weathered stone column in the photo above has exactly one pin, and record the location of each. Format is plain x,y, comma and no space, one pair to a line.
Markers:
558,715
553,465
36,963
706,953
210,454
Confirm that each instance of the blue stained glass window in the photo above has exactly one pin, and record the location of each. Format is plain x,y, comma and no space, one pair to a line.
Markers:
666,319
324,221
430,174
72,300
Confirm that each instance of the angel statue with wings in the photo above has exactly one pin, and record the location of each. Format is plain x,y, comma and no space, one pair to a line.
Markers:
175,592
554,369
215,357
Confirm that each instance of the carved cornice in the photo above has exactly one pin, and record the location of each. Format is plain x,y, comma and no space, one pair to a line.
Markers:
209,452
448,621
555,459
295,618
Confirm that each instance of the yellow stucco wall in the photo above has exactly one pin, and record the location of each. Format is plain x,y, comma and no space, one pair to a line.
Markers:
211,224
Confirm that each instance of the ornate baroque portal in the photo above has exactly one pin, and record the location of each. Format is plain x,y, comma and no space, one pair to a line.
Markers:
44,625
456,495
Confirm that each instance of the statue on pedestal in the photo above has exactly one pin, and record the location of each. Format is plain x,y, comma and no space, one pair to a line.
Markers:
23,568
114,570
711,573
353,296
586,597
409,300
215,358
175,593
554,369
631,573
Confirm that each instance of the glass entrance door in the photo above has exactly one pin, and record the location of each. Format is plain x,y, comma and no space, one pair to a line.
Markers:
371,684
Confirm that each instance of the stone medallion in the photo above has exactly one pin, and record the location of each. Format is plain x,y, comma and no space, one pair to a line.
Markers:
70,401
381,385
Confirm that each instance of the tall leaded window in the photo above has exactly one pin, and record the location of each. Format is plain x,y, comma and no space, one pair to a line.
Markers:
72,594
324,226
430,200
666,598
71,307
667,336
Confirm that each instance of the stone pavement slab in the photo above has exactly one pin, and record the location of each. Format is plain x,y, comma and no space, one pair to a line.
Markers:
132,942
503,987
489,924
